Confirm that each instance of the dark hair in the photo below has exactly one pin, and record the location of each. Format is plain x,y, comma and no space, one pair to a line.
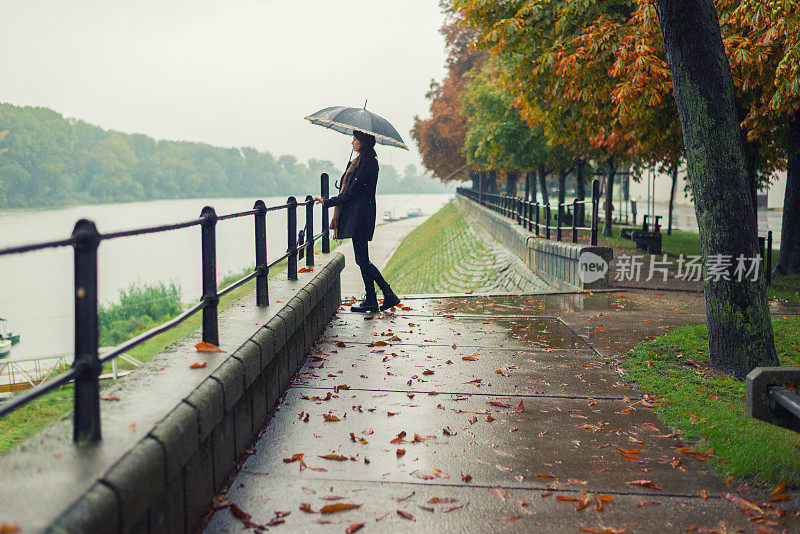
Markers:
367,144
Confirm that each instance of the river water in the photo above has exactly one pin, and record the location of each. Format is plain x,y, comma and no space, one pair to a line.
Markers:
36,289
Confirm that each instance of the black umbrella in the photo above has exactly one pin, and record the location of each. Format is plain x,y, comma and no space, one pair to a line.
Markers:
347,120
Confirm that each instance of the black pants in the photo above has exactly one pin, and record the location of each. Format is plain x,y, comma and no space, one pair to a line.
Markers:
369,272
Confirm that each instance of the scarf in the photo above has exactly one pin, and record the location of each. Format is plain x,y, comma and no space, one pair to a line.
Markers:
346,178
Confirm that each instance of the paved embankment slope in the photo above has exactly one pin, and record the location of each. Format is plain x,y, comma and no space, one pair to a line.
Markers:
454,253
487,414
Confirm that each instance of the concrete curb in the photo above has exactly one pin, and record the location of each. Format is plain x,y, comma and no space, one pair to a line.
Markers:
165,480
558,263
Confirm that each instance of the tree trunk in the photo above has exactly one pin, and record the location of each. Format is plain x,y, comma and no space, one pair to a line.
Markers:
530,178
543,184
609,204
562,184
511,183
752,155
490,182
580,189
789,257
527,186
739,327
674,172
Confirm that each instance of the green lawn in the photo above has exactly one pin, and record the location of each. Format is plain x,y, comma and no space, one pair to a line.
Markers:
442,255
30,419
708,408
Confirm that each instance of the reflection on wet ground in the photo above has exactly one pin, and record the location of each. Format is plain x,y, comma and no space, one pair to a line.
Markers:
481,414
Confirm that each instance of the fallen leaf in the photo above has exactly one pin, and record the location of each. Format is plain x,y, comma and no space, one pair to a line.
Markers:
499,404
466,478
521,407
469,358
390,414
105,398
341,344
511,518
454,508
337,457
438,500
198,365
204,346
305,269
703,494
9,527
779,488
401,452
405,515
355,527
338,507
329,417
305,507
440,474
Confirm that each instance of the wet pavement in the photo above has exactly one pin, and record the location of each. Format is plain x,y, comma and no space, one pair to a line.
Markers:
487,414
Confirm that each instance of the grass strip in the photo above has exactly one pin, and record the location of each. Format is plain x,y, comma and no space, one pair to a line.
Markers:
707,408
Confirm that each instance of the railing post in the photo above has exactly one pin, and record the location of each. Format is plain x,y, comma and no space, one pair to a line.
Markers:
595,210
769,257
560,215
208,244
547,221
518,206
262,280
325,191
309,231
536,207
575,220
291,218
86,422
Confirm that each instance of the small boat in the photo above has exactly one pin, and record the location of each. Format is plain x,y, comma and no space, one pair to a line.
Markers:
388,216
6,334
414,212
5,347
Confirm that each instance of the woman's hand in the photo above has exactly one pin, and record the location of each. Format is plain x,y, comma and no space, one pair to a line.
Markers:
319,199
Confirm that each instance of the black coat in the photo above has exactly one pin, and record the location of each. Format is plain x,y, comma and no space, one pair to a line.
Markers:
357,213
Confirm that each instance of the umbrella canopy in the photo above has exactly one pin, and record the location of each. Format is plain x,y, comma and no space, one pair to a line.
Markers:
347,120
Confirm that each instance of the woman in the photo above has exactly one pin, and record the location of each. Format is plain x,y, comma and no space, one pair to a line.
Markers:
356,219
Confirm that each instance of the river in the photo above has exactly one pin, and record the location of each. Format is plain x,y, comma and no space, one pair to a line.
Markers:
36,288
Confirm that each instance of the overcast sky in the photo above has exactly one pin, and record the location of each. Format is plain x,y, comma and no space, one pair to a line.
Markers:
229,73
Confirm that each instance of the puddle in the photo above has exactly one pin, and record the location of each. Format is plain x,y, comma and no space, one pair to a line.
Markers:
532,304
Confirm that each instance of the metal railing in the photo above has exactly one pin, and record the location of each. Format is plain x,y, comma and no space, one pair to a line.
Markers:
538,218
85,239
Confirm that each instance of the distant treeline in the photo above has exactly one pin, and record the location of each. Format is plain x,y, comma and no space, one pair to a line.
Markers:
47,160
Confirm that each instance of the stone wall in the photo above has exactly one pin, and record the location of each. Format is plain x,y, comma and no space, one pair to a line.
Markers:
558,263
172,434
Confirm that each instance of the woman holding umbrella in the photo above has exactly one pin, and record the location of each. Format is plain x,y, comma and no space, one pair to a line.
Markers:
356,219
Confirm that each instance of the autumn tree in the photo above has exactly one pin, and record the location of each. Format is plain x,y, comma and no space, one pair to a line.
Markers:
441,138
739,327
497,137
762,39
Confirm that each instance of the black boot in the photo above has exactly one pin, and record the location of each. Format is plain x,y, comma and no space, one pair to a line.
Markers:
365,306
389,301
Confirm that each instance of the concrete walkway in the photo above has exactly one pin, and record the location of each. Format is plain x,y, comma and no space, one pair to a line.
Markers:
479,414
